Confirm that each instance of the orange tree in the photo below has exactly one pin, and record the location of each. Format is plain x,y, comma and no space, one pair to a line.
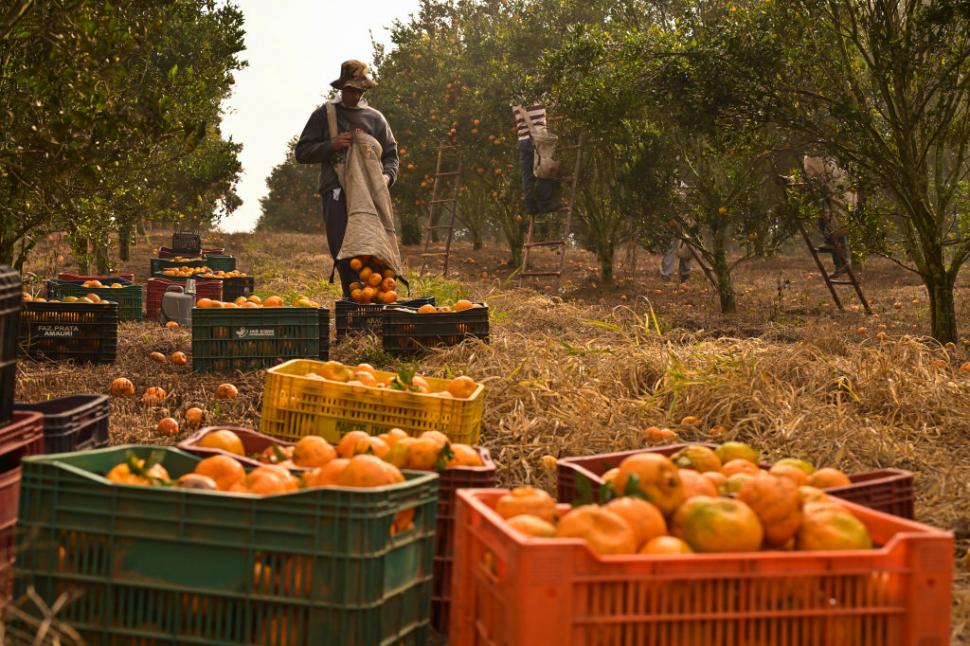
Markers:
101,99
722,167
884,86
453,73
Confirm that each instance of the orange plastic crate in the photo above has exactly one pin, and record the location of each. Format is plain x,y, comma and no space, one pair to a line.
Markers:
516,591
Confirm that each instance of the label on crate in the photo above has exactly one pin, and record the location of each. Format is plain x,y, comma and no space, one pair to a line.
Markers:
254,333
57,330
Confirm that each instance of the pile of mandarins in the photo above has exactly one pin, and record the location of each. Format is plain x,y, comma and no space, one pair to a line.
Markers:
430,451
375,284
90,299
200,272
459,306
364,374
256,301
679,505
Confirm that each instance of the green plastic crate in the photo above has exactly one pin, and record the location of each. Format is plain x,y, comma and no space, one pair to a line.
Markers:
174,566
129,298
219,262
250,339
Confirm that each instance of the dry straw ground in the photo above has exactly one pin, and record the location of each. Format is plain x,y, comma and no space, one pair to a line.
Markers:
586,371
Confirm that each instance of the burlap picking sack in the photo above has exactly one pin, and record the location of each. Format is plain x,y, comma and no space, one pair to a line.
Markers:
370,215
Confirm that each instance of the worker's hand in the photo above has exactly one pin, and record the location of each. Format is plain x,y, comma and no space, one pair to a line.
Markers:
342,141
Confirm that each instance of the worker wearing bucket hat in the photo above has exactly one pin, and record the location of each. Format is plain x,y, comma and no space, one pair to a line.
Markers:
316,146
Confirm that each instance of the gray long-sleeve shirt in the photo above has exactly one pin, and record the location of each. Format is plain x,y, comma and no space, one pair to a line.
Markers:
314,146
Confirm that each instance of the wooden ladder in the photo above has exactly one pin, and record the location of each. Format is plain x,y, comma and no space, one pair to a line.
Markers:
567,208
432,226
850,279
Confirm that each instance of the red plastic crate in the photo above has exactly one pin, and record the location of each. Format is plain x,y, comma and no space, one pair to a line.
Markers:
517,591
449,482
22,437
156,288
252,441
890,491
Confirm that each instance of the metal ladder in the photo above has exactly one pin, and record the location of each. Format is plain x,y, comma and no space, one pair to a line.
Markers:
851,279
567,208
432,225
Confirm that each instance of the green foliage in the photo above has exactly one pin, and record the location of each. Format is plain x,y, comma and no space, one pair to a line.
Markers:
445,292
293,203
109,114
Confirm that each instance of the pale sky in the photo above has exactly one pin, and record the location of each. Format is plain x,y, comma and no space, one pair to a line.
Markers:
294,49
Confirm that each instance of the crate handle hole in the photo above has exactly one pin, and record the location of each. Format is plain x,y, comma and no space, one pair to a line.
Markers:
11,460
405,521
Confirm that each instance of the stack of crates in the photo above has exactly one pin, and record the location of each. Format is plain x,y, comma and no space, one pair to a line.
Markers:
10,305
21,437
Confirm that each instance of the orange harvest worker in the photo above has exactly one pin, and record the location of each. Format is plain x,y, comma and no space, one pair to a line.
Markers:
536,191
317,147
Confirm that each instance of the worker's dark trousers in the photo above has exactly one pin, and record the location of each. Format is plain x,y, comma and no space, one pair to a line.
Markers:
335,222
536,192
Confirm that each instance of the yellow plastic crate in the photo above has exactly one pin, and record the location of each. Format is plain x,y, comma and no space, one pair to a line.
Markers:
295,406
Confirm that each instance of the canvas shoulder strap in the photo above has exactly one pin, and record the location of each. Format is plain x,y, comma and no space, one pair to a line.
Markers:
332,118
339,162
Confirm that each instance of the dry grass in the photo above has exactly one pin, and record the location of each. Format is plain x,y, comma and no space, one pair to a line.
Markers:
580,375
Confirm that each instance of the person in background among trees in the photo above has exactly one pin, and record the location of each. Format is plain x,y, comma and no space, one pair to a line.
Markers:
317,147
536,192
677,250
835,200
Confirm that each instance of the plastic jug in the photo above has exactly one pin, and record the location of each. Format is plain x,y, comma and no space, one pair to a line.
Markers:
177,304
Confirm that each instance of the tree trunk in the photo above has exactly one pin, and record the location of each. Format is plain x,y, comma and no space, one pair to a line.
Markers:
410,229
943,317
722,272
515,238
101,256
80,249
476,239
6,250
124,239
605,252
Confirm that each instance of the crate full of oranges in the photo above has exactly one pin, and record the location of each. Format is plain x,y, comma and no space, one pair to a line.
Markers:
129,297
657,557
331,399
251,333
130,526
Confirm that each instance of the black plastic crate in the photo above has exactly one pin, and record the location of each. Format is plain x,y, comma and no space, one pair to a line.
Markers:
250,339
404,331
129,298
354,317
74,423
184,242
236,286
11,291
324,320
79,331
